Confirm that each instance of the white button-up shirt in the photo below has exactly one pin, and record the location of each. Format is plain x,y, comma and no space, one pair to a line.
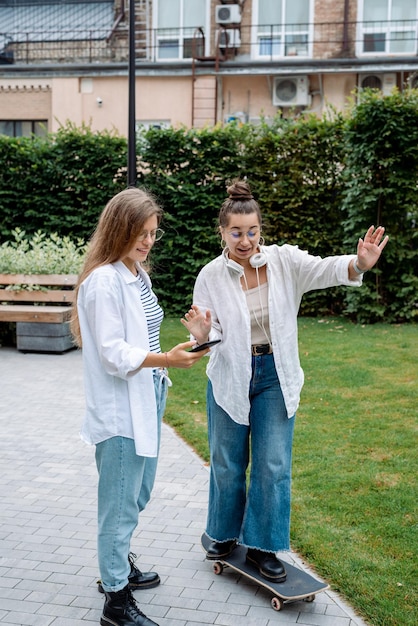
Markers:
120,397
291,272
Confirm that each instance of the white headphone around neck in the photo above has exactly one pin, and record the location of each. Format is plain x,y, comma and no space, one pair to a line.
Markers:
257,260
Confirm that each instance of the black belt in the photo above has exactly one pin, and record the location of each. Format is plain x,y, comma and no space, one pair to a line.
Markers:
260,349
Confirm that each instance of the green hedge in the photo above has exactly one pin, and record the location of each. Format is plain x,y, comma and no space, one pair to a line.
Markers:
381,187
294,169
320,183
59,183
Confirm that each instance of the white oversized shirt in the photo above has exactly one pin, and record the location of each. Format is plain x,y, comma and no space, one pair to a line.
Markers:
291,272
120,397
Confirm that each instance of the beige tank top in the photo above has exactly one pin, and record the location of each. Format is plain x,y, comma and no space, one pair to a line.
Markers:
257,303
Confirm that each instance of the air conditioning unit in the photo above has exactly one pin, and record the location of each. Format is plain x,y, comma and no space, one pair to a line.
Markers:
229,38
228,14
384,82
289,91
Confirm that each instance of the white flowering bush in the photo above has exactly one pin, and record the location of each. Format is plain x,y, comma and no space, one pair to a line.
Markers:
42,254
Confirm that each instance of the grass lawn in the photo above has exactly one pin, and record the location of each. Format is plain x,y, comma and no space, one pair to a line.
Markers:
355,458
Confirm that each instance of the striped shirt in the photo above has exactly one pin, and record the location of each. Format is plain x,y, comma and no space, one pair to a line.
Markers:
153,314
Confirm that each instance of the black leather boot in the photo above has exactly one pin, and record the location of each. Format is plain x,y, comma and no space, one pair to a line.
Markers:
267,564
120,609
220,549
137,580
141,580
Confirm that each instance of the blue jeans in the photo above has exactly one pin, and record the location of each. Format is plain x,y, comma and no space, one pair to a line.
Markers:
125,484
257,515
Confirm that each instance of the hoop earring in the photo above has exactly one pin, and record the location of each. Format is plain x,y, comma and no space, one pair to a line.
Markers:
261,241
223,244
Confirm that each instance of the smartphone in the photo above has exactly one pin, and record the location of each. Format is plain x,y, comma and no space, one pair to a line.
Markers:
203,346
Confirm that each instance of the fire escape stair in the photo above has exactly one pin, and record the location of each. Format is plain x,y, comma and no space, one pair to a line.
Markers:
204,100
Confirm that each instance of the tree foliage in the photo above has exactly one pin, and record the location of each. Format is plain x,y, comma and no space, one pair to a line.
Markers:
59,183
187,170
381,187
320,184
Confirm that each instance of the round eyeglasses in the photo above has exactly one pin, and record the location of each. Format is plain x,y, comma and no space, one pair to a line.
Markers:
251,234
154,234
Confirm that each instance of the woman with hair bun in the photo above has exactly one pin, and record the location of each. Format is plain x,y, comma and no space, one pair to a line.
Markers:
249,297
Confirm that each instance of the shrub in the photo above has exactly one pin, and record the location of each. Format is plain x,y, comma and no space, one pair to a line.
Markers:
61,182
42,254
294,168
320,184
381,174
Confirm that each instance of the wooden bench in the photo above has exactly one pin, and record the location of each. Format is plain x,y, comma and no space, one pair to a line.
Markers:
41,314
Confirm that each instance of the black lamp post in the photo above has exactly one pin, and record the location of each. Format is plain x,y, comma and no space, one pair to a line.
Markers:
131,95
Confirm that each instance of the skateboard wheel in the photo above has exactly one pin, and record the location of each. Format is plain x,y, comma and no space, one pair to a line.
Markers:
277,604
218,568
310,598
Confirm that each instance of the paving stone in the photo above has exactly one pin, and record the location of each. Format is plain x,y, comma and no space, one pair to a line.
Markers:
48,483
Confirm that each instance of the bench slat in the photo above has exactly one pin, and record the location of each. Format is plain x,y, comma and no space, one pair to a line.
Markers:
25,313
39,279
52,295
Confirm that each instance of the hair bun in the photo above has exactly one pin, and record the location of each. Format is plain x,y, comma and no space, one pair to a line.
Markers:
241,196
240,191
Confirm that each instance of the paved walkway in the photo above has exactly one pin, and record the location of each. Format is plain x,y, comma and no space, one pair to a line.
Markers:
48,567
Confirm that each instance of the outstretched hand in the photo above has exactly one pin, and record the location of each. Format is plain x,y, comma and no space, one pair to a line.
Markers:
197,323
370,249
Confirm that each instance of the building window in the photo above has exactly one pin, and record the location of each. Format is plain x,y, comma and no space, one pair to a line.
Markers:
387,27
147,124
23,128
176,22
282,28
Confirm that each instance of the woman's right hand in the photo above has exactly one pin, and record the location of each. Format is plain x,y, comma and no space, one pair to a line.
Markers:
198,324
180,357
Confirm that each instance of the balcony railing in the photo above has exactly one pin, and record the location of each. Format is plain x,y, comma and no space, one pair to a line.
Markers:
272,42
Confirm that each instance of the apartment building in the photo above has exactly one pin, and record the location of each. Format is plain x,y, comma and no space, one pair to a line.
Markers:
198,62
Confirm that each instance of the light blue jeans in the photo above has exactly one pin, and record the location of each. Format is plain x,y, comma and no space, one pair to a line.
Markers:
125,484
257,515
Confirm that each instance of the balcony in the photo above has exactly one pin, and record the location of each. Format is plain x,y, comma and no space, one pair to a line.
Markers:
54,32
94,41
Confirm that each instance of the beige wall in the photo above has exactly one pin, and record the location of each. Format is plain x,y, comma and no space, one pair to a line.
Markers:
338,88
249,94
167,99
75,99
25,100
66,103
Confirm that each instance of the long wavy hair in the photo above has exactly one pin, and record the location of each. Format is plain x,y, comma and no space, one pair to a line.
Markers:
118,227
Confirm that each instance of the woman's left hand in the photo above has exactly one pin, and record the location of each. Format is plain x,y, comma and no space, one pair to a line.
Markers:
370,249
197,323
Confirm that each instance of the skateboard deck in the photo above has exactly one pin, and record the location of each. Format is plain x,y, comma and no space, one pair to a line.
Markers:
299,585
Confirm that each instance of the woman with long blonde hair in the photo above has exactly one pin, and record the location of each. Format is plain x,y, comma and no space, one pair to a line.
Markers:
116,322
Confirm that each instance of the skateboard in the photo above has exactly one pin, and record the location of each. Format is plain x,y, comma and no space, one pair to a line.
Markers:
298,585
